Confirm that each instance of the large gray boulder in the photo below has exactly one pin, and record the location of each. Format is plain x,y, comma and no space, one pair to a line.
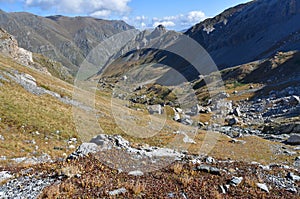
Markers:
293,140
84,149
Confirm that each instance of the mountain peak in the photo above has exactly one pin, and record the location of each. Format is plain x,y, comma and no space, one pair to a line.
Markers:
161,27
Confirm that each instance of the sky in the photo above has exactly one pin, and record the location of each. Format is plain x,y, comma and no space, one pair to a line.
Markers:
143,14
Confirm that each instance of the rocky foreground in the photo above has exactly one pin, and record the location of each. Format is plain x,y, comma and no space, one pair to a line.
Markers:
110,167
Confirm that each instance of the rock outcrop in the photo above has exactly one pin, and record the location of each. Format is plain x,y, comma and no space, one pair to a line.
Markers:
9,46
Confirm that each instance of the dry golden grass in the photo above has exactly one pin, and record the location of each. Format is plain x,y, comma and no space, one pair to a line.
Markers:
177,168
136,187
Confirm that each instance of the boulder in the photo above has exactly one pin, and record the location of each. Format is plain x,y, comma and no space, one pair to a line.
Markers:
155,109
235,181
83,150
293,140
177,117
178,110
294,100
195,109
262,187
233,121
102,141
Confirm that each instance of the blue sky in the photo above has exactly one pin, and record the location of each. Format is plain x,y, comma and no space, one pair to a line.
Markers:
174,14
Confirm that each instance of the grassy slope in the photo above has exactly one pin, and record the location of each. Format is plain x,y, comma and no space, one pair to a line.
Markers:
23,113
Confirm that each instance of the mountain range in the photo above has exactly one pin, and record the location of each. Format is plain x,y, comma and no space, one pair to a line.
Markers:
245,33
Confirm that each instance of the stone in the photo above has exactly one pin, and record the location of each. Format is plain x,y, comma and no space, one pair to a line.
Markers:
294,100
223,191
297,162
189,140
233,121
117,192
171,195
210,160
205,110
292,189
28,79
235,141
155,109
121,142
237,112
293,140
178,110
187,120
177,117
84,149
293,177
196,109
73,140
235,181
262,187
2,138
136,173
223,106
209,169
224,95
289,152
4,175
201,124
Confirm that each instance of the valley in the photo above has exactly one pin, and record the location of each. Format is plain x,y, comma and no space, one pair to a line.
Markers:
109,111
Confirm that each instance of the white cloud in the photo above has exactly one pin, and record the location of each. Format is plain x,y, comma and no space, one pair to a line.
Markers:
178,22
196,16
94,7
101,13
164,23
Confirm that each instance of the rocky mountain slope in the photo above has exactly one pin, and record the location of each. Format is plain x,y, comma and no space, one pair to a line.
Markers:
242,34
64,39
250,31
9,47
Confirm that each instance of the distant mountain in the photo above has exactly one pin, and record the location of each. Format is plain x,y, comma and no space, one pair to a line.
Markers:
64,39
242,34
250,31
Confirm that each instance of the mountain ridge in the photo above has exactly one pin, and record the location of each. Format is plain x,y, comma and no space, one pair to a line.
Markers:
64,39
252,27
